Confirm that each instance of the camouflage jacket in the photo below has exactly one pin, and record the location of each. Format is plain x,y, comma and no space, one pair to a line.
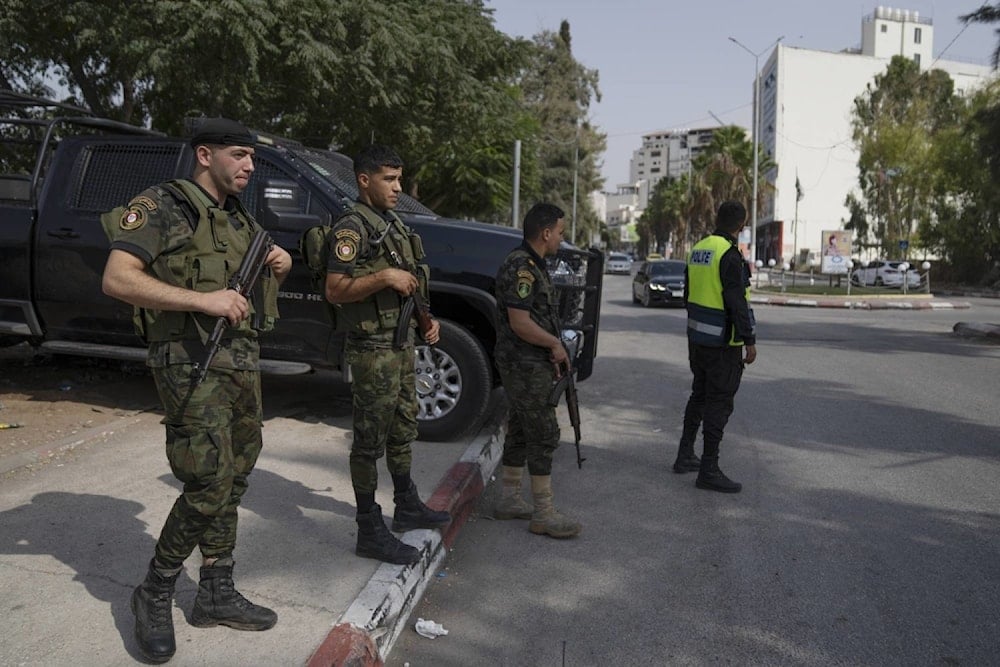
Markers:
523,283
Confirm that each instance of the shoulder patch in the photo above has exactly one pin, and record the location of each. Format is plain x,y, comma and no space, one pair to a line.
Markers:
345,247
348,234
143,200
525,281
132,218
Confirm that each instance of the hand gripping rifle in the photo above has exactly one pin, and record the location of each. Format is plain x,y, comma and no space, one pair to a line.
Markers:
243,282
414,305
567,385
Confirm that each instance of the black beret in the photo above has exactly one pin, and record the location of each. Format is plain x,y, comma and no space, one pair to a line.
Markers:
224,132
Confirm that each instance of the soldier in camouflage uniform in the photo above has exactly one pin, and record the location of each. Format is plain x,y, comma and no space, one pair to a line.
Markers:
530,356
367,291
174,248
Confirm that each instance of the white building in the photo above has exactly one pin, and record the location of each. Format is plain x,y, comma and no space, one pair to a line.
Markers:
622,209
806,99
666,153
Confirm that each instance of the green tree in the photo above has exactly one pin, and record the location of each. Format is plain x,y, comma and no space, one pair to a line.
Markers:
558,92
896,122
725,171
431,77
965,227
666,217
986,14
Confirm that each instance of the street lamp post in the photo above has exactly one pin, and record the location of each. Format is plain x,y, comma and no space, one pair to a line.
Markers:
576,173
756,137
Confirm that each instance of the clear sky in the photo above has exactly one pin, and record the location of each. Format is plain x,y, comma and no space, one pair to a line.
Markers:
664,64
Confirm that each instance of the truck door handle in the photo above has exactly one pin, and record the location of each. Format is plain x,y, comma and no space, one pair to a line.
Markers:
65,233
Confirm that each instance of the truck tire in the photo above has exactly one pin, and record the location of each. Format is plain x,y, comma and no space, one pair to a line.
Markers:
453,384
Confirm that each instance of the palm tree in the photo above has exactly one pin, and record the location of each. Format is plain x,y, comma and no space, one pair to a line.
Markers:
986,14
725,171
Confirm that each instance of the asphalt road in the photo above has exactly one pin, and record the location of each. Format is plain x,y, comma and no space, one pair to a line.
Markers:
867,533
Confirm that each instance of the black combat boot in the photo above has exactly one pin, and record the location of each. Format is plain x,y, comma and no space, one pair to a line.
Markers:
219,603
375,540
713,479
686,459
412,513
152,604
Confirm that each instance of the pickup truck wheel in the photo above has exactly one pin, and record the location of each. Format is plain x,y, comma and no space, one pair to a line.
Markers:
453,384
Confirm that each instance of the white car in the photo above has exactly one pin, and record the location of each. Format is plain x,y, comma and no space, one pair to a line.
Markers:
618,263
885,273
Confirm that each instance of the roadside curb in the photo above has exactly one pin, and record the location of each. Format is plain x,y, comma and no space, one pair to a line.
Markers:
860,304
366,632
978,329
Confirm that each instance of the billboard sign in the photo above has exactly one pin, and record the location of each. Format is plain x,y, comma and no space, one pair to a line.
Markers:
836,252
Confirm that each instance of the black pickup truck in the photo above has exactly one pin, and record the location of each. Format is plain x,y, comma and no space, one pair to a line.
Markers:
60,168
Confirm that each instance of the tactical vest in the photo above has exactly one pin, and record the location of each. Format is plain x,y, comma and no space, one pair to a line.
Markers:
509,346
206,263
379,312
707,323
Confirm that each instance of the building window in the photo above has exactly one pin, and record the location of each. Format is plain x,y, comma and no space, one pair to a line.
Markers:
885,28
654,154
916,35
916,59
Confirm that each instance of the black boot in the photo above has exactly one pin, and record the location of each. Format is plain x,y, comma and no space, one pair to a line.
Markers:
375,541
686,459
713,479
152,604
219,603
412,513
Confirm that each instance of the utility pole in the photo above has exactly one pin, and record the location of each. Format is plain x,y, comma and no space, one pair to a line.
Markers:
576,175
516,204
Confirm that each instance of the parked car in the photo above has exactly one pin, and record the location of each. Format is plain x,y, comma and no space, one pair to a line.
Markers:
659,281
618,263
884,273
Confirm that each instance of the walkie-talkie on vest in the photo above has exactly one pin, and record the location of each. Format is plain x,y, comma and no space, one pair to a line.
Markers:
243,282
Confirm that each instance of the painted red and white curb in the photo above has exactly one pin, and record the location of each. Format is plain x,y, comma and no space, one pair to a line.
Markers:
365,633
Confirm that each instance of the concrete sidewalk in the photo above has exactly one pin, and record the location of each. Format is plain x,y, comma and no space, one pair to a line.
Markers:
77,532
859,302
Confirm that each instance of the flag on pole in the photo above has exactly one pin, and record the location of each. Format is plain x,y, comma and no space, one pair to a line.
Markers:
798,189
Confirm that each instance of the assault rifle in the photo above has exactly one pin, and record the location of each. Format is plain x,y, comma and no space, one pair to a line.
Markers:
567,385
414,306
243,282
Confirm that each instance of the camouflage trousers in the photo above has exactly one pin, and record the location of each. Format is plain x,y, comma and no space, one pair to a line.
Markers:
384,410
532,427
213,440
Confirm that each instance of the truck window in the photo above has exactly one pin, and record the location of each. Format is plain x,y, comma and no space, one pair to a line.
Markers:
15,188
263,171
114,173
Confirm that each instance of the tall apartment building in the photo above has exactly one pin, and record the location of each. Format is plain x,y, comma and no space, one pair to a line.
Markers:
666,153
806,99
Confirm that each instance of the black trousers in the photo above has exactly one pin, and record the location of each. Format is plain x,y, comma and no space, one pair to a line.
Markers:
717,373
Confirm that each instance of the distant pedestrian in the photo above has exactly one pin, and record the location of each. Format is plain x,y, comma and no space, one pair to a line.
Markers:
173,250
530,356
721,342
